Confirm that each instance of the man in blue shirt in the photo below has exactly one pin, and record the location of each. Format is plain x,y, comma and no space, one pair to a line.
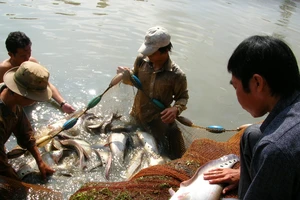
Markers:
266,78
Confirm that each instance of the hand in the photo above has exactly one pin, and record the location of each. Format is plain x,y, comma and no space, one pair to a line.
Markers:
126,74
45,170
67,108
169,115
121,69
226,175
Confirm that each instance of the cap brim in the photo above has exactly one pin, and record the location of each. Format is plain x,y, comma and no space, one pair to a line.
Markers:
42,95
147,50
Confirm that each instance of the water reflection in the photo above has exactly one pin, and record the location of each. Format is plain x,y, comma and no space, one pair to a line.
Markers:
287,9
102,4
70,2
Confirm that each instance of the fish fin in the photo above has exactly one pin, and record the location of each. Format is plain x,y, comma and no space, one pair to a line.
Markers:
108,166
171,191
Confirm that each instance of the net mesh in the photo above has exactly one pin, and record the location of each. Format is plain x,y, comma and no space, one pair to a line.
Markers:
154,182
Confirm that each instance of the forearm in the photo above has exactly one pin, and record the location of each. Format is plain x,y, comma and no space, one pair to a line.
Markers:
181,103
55,94
36,154
60,100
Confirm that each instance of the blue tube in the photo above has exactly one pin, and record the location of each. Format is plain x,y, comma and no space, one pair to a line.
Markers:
215,129
136,82
70,123
158,104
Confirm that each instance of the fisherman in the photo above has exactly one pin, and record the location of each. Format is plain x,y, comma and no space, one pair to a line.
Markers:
266,78
18,46
163,80
23,86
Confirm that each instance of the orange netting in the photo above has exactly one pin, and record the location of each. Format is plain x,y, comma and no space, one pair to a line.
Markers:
154,182
15,190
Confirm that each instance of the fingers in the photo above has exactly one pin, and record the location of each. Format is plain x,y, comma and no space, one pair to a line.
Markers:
216,180
169,115
229,188
121,69
213,171
67,108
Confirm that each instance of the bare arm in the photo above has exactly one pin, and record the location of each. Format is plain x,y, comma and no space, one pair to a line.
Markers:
60,100
67,108
4,67
224,175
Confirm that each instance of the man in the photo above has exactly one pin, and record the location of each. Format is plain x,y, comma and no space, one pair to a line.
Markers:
23,86
163,81
266,78
18,46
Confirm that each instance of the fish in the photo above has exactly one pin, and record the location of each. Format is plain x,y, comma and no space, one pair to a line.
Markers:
43,135
151,149
135,164
103,156
148,142
145,154
117,145
105,125
27,168
31,167
197,188
16,152
82,154
90,119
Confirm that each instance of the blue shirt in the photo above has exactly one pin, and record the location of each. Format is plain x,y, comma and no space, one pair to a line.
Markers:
275,168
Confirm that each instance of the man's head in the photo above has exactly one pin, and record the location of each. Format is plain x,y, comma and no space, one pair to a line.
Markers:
18,46
268,57
264,69
157,38
29,80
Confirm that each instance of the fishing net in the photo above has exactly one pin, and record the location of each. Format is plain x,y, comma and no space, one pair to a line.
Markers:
154,182
119,99
15,190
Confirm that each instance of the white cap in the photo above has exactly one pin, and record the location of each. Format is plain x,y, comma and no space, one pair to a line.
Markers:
156,37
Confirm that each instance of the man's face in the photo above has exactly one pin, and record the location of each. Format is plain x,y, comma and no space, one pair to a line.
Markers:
253,102
25,101
156,56
22,55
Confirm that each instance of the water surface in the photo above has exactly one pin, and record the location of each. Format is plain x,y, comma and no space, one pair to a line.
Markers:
83,42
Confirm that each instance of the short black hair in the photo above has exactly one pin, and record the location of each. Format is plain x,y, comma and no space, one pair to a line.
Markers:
166,48
16,40
269,57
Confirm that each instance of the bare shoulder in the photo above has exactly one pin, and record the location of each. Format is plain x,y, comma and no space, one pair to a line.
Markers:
5,64
32,59
4,67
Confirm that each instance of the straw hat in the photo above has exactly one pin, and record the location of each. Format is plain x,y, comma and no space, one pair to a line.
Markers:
30,80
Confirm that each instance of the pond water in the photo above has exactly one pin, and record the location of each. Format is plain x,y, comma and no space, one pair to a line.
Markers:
83,42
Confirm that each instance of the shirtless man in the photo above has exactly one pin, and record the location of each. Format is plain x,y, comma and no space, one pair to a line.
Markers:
18,46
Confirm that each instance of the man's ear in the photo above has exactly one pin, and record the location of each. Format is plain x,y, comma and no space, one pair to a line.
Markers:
259,81
10,54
